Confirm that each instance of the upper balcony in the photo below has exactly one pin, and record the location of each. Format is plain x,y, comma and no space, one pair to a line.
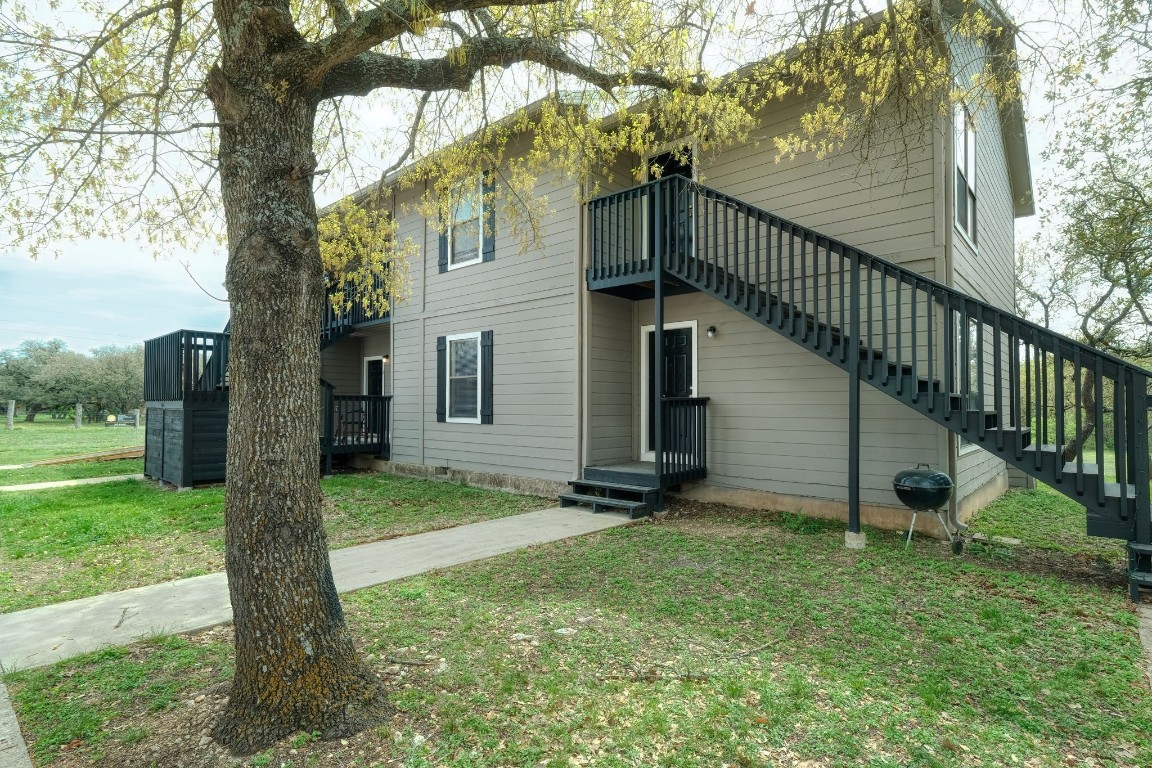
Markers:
339,323
188,366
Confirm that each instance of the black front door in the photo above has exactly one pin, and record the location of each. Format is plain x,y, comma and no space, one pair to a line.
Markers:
375,376
677,382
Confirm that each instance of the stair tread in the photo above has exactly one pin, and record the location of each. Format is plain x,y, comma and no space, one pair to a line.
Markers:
607,485
1140,577
1143,549
583,498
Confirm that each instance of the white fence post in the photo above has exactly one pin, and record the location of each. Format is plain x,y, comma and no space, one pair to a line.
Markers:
11,412
136,414
79,414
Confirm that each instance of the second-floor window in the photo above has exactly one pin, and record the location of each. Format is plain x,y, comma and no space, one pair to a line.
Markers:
470,236
466,237
964,148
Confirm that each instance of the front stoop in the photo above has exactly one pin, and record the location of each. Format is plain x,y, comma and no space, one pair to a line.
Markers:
603,496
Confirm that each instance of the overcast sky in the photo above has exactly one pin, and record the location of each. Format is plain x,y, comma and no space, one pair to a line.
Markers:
100,292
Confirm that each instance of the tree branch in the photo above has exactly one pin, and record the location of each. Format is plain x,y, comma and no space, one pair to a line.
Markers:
457,69
385,21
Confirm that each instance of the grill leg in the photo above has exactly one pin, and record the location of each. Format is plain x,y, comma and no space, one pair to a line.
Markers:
944,525
908,541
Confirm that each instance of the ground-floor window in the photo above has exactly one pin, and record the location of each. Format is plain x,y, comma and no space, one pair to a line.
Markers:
464,378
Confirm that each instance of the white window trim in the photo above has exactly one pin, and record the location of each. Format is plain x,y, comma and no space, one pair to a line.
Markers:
448,417
966,116
452,263
383,373
646,451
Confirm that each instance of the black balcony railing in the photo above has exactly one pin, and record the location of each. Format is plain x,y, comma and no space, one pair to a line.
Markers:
355,424
684,454
186,365
341,319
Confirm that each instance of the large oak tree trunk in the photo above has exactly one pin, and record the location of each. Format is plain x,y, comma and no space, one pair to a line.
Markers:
296,664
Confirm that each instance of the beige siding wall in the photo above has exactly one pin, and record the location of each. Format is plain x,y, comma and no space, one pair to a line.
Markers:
528,297
778,414
340,366
612,380
409,362
887,208
984,268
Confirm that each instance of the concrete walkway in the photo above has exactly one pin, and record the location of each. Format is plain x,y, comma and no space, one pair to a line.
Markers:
68,483
41,636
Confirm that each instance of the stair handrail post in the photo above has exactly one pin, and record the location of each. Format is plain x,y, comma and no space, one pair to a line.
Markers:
657,394
854,351
328,425
1140,453
384,450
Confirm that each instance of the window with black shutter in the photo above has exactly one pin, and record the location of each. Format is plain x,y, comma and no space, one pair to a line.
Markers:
464,378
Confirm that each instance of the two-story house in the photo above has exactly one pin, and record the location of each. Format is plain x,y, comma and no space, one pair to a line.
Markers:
781,334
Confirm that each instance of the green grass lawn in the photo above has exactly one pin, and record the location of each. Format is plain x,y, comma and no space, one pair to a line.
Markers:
715,637
81,469
66,543
51,438
1046,520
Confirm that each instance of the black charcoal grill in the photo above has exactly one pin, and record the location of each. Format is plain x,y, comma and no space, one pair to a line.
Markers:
924,489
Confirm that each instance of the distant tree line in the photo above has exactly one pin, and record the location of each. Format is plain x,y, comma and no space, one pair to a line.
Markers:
45,377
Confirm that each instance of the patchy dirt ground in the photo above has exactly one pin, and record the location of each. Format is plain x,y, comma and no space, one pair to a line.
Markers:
179,737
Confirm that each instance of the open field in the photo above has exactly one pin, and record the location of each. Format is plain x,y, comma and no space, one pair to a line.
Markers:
713,637
72,471
48,438
66,543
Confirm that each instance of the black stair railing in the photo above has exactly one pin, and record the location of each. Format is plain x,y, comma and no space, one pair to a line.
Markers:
1015,388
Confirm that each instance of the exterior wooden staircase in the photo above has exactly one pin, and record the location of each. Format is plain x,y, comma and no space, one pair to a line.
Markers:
1010,386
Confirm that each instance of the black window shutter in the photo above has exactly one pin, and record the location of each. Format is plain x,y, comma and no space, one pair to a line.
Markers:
441,377
443,252
489,192
486,377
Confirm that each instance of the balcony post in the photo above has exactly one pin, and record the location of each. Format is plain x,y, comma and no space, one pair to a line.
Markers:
326,422
657,393
853,538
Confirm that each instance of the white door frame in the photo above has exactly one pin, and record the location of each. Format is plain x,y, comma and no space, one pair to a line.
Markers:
646,451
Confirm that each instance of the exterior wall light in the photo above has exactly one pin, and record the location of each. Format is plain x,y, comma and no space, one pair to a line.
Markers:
711,331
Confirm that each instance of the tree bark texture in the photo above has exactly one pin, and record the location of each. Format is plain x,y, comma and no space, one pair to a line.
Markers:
296,664
1088,425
